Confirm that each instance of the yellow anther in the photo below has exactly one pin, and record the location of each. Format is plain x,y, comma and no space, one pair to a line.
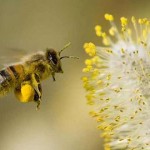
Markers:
95,73
98,33
98,30
107,147
112,31
85,70
98,27
108,77
84,79
109,17
90,48
93,114
140,21
104,35
124,21
133,20
148,23
88,62
89,67
95,60
143,21
129,31
106,41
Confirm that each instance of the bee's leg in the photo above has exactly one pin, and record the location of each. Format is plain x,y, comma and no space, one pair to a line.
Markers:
53,76
37,99
29,90
37,89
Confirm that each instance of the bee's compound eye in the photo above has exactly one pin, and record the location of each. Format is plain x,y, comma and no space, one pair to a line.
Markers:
53,59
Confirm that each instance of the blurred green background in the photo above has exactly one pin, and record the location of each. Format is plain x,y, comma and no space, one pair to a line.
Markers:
63,122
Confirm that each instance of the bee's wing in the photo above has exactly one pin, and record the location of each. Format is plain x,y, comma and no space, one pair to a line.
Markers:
10,56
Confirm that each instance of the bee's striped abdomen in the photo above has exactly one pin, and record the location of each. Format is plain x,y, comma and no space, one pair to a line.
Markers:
9,77
5,81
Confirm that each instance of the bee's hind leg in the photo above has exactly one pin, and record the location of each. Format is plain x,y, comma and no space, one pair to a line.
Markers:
30,90
37,99
37,89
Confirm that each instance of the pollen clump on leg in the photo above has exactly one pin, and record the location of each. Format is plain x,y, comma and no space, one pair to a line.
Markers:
25,93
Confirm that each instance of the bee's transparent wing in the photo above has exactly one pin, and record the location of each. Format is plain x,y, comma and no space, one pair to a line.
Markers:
10,56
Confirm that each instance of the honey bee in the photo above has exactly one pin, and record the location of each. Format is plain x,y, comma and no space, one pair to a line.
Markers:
25,76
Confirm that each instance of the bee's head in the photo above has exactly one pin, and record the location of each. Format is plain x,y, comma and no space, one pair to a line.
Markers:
54,58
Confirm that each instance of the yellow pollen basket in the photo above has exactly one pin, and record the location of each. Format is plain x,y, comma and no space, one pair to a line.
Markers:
26,94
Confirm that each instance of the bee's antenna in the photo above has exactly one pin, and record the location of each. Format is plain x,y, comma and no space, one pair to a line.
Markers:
69,57
67,45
